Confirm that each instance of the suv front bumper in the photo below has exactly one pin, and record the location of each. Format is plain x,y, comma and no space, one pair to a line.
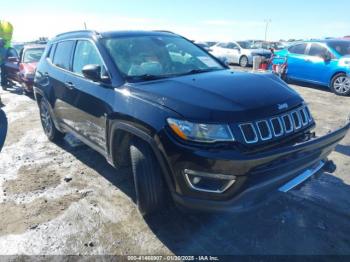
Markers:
258,175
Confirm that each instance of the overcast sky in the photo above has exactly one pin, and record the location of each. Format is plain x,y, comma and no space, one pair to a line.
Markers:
223,20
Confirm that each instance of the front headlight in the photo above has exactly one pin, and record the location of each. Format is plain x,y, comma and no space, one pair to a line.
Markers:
344,62
206,133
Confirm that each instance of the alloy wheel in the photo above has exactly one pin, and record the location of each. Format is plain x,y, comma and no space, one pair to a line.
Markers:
243,61
342,84
46,119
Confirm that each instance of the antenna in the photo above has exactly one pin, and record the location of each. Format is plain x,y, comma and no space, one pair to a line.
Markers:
267,21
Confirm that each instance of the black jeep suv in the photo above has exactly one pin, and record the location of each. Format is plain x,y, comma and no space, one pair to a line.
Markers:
215,139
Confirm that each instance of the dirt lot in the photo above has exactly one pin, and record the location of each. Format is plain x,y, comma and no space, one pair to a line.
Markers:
65,199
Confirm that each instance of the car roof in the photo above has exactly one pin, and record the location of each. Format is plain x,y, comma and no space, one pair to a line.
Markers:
33,46
110,34
324,41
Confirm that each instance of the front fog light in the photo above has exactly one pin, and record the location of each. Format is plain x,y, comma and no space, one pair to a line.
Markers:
208,182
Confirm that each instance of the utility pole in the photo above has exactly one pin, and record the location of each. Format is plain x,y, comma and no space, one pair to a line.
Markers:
267,21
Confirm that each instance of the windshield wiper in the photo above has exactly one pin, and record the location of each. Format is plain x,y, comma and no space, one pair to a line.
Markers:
198,71
146,77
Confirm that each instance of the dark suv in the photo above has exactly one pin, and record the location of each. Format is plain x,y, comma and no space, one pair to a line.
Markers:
215,139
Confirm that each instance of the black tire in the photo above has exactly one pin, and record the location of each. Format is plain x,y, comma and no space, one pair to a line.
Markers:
336,88
149,185
52,133
243,61
4,86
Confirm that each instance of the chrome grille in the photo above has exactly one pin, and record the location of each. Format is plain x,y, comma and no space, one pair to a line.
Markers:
277,126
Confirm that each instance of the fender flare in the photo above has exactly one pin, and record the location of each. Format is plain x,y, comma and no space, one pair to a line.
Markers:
153,142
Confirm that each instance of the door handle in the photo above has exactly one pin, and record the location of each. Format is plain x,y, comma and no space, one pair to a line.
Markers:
69,85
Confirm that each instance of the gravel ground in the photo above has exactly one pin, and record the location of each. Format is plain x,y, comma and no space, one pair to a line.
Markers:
65,199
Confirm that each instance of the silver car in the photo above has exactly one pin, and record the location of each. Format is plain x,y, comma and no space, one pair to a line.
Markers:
240,52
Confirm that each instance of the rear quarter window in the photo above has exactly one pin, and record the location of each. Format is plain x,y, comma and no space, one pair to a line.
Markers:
62,56
51,52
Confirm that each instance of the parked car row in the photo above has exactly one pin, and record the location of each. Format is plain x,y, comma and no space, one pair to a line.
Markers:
325,63
20,65
241,52
321,62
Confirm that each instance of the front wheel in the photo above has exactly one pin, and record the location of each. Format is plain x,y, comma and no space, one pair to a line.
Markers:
243,61
148,179
341,84
52,133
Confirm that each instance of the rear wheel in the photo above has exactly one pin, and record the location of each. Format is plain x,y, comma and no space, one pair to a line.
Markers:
147,177
243,61
4,85
50,130
341,84
4,81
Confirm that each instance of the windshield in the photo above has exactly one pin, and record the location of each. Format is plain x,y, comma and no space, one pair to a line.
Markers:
158,56
32,55
342,47
247,45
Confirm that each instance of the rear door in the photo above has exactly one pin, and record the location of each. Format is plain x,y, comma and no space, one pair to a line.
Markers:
317,69
296,61
61,61
89,104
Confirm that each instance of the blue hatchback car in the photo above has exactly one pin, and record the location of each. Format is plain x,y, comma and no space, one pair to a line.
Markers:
324,62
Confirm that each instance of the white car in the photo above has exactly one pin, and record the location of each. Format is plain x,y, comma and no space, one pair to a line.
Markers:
240,52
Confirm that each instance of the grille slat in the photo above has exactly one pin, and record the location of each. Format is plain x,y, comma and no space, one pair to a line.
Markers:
304,117
275,127
264,130
249,133
296,120
287,122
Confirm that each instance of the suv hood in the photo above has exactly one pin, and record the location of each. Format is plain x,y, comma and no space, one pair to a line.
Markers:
220,95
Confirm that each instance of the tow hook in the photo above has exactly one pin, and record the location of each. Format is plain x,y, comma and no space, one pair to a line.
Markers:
329,166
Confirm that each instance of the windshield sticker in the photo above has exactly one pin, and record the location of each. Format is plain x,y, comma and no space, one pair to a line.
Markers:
207,61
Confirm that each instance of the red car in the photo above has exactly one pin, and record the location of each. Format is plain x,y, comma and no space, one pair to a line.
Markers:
22,68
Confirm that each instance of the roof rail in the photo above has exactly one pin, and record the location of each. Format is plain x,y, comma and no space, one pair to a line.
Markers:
78,31
164,31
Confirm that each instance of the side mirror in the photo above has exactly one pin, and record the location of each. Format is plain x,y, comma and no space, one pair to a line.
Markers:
92,72
13,59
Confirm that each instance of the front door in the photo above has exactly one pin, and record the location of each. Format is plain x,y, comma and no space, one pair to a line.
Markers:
317,68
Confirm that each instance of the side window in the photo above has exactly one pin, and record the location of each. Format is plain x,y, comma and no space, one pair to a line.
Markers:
63,54
297,49
223,45
318,50
51,52
86,54
232,46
